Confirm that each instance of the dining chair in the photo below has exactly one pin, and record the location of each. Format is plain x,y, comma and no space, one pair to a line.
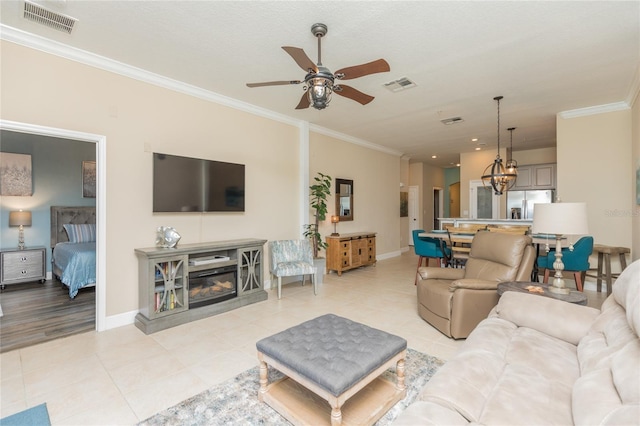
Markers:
290,258
576,261
460,242
429,248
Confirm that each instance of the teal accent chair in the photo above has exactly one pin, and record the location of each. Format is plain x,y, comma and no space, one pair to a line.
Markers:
429,248
576,261
290,258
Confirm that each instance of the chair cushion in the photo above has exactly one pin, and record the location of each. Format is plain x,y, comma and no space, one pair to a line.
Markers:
287,269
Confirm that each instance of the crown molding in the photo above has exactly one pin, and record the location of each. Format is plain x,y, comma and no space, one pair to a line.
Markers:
598,109
351,139
634,91
62,50
52,47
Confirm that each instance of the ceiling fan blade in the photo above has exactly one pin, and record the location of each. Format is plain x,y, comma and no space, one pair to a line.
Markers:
301,58
304,102
365,69
274,83
351,93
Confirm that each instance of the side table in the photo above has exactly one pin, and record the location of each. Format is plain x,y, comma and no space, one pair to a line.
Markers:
576,297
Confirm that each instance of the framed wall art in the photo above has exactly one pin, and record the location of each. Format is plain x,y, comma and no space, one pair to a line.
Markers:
16,174
404,204
88,179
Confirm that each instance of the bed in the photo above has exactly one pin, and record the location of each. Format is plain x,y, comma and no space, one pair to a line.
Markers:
73,246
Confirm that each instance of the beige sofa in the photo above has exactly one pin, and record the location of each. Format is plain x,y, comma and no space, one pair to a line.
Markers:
540,361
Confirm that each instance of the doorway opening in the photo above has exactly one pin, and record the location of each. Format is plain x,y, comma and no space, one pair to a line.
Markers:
100,156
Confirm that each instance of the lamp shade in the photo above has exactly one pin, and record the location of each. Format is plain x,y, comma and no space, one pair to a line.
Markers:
335,219
19,218
560,219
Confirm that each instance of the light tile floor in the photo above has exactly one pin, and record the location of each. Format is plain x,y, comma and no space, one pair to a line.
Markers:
122,376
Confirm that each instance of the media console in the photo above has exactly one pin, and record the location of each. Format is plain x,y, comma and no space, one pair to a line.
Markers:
194,281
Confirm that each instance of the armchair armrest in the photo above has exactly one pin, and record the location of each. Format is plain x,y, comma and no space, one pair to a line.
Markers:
555,318
474,284
431,273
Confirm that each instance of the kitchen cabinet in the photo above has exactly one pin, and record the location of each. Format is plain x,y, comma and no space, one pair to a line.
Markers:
536,176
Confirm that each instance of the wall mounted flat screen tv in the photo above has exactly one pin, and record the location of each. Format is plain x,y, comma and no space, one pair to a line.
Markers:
183,184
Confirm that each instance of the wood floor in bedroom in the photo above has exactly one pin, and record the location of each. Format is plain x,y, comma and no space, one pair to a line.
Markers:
35,313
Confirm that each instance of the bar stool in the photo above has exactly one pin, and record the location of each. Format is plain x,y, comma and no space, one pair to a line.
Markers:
604,257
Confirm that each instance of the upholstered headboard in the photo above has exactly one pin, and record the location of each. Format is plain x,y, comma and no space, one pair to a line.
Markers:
62,215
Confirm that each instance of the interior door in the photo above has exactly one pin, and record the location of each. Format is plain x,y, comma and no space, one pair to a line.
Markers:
484,204
414,219
454,200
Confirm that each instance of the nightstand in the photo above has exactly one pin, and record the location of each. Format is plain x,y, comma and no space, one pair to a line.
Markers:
21,266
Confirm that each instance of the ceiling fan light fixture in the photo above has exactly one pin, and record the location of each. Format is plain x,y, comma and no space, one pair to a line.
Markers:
319,91
495,174
512,165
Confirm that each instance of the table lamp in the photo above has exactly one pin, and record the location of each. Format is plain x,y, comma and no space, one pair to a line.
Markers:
335,220
560,219
20,219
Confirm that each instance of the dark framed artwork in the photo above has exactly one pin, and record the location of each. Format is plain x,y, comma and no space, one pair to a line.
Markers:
16,174
88,179
404,204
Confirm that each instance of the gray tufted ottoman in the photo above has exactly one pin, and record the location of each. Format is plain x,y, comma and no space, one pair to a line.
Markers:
335,360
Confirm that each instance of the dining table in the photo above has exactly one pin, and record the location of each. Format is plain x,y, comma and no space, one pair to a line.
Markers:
536,239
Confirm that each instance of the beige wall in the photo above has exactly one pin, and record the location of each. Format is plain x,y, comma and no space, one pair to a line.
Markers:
376,179
138,118
594,167
535,156
635,171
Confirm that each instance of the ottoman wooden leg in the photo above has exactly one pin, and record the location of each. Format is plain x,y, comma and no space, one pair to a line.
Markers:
400,375
336,416
264,381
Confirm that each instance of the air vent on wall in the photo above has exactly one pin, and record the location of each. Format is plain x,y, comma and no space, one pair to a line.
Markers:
400,84
452,120
46,17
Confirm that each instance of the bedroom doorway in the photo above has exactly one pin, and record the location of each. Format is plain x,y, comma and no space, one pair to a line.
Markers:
100,156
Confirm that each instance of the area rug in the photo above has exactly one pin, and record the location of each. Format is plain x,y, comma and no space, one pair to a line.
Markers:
34,416
235,401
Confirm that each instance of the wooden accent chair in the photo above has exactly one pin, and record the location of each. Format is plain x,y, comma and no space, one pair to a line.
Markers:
290,258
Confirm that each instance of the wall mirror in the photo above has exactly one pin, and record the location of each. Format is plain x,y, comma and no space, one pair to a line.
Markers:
344,199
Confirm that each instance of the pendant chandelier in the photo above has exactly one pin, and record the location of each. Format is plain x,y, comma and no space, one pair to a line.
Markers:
512,165
495,173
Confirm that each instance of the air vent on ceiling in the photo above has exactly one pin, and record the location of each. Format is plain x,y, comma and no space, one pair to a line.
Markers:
400,84
46,17
452,120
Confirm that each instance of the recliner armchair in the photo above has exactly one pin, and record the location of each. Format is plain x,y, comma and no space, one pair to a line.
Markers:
454,301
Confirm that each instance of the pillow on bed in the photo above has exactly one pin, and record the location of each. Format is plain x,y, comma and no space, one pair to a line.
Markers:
80,233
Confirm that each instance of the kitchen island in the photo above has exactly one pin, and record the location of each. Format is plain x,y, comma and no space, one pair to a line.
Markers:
457,221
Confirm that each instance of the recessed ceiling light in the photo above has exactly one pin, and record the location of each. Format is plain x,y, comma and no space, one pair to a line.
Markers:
434,156
457,164
474,140
478,148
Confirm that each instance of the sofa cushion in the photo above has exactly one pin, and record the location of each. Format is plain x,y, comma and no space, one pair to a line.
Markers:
488,376
550,315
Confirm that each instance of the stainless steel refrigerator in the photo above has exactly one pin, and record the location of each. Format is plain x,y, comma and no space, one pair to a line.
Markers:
520,203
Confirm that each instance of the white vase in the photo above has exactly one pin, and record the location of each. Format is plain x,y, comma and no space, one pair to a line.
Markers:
321,264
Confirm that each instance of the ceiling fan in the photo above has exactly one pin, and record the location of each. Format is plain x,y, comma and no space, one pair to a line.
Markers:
319,82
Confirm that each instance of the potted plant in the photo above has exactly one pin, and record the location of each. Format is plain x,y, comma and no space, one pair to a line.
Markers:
318,194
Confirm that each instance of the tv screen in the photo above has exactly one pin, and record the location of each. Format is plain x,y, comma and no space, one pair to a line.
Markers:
182,184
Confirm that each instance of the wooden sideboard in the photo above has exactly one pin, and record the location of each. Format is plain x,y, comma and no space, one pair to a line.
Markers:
349,251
